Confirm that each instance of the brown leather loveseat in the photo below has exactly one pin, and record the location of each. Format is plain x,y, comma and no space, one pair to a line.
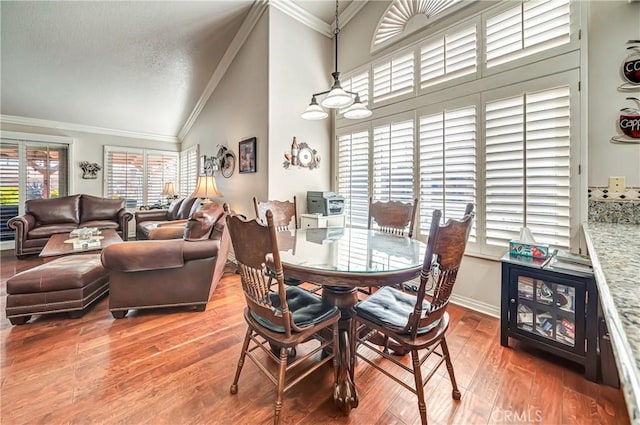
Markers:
149,223
169,273
46,217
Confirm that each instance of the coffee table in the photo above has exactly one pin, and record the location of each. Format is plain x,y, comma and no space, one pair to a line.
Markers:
55,245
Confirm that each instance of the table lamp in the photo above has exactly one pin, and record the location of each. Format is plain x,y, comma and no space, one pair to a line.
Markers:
206,188
169,191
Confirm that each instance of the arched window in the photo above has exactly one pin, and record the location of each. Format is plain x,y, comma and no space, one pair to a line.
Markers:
404,17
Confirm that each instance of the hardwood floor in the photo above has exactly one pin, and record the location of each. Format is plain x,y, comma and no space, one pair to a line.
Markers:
176,366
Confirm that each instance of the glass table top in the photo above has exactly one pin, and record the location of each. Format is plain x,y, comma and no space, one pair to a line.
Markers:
349,250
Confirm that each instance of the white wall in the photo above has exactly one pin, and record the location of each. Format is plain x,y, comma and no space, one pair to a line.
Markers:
237,110
90,147
611,24
299,65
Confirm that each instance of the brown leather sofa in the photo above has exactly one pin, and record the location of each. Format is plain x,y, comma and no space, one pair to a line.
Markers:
46,217
148,223
169,273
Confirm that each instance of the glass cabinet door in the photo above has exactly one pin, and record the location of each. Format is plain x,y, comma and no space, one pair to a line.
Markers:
546,309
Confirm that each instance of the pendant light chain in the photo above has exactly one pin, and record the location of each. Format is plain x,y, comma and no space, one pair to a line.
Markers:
336,31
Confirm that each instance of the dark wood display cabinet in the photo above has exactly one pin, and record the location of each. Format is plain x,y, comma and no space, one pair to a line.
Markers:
552,309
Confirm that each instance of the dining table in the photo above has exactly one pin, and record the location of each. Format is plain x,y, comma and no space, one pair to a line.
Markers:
343,260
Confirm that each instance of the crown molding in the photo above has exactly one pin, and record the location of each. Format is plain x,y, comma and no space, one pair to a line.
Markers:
350,11
256,11
36,122
302,16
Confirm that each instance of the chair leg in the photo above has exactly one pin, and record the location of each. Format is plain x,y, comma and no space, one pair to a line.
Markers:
445,351
284,355
243,353
334,349
417,375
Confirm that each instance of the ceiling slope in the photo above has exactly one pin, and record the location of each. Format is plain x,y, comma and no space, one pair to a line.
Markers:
138,67
135,69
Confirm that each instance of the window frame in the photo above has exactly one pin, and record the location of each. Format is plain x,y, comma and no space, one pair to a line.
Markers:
532,70
138,151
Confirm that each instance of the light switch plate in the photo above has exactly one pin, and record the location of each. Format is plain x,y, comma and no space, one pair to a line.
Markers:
617,184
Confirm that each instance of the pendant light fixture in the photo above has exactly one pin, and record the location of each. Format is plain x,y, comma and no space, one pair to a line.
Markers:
336,97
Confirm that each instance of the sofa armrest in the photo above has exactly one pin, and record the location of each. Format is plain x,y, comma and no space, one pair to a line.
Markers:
137,256
124,217
180,223
166,232
22,224
151,215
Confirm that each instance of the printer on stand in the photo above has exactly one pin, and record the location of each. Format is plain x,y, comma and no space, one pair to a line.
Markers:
325,203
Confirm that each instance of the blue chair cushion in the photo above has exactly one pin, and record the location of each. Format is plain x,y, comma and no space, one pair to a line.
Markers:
391,308
306,309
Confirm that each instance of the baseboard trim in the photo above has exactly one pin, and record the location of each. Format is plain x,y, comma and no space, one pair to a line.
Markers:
475,305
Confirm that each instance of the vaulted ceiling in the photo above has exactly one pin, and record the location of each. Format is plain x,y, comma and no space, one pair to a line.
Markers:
130,66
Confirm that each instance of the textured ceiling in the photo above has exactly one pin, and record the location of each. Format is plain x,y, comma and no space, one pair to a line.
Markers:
134,66
127,66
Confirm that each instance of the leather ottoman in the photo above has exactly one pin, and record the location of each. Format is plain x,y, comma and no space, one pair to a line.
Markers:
67,284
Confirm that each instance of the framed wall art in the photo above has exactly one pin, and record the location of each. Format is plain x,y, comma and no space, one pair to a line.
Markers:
247,150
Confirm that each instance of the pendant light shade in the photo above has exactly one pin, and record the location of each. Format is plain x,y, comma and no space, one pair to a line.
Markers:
314,111
336,97
357,110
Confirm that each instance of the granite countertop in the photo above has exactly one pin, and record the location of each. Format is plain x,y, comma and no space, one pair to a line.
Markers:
615,253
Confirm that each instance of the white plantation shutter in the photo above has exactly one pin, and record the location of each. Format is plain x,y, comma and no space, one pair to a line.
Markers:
124,175
393,161
394,77
528,168
9,186
353,176
448,56
531,26
447,165
161,168
188,171
358,84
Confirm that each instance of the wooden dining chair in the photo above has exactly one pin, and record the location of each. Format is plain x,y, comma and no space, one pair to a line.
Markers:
283,212
416,323
280,319
393,217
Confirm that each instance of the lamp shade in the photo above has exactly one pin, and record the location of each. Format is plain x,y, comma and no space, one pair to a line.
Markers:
169,190
337,98
314,111
206,187
357,110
